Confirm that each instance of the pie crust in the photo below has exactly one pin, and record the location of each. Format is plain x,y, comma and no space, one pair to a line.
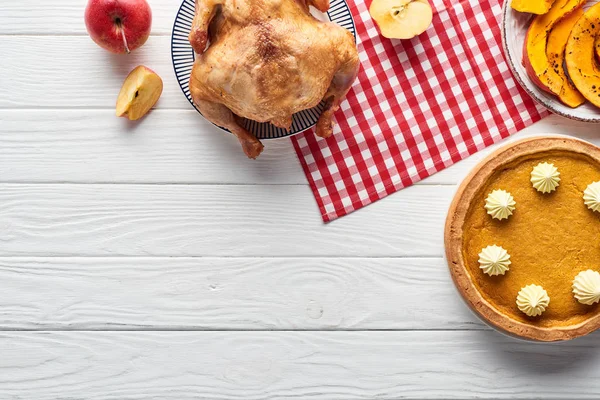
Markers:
469,195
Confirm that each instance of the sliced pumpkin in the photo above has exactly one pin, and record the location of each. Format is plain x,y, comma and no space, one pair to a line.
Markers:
580,55
535,59
557,42
532,6
597,45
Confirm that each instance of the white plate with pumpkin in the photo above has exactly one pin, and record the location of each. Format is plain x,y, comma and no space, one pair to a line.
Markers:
553,49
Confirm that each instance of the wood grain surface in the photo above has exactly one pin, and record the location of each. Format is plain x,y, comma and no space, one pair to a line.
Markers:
98,293
77,73
288,365
65,17
212,220
152,260
91,146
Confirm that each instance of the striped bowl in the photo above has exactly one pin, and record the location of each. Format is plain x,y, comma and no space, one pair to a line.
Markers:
183,58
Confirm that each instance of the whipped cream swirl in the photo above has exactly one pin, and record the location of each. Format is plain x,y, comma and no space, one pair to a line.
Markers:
591,196
533,300
500,204
545,177
494,260
586,287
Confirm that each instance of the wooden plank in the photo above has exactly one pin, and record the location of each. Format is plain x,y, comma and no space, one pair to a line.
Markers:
285,365
195,220
65,17
229,293
169,147
77,73
83,146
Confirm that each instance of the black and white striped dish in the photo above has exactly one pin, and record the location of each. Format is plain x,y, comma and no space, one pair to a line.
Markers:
183,60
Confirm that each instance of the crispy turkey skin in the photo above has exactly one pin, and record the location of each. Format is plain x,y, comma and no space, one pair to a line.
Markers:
265,60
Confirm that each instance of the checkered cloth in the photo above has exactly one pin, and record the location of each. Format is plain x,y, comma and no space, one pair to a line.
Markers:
417,107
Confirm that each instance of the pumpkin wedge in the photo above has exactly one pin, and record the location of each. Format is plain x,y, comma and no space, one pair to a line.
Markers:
580,55
532,6
535,59
557,42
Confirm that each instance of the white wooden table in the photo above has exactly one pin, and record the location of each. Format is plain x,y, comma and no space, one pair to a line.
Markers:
154,261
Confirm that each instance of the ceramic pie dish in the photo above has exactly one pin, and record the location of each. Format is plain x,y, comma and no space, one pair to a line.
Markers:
551,237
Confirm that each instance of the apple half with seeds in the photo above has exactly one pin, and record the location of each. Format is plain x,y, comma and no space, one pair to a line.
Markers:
401,19
140,91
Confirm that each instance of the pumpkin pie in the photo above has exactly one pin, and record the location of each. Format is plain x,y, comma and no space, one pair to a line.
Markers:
551,237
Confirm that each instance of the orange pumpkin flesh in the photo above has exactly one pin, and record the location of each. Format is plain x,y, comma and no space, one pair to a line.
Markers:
532,6
580,55
598,48
535,59
557,42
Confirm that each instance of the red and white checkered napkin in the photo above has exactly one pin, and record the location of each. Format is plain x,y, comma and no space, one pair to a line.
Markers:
417,107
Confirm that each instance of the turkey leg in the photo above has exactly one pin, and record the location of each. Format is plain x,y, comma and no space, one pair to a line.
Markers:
340,85
205,11
220,115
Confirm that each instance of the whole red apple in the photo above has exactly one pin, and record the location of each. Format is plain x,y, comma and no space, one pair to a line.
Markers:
119,26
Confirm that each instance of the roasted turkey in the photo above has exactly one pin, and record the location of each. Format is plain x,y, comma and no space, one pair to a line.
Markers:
265,60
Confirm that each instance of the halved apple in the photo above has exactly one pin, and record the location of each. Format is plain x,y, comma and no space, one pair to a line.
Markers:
532,6
401,19
140,91
535,59
580,55
557,41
